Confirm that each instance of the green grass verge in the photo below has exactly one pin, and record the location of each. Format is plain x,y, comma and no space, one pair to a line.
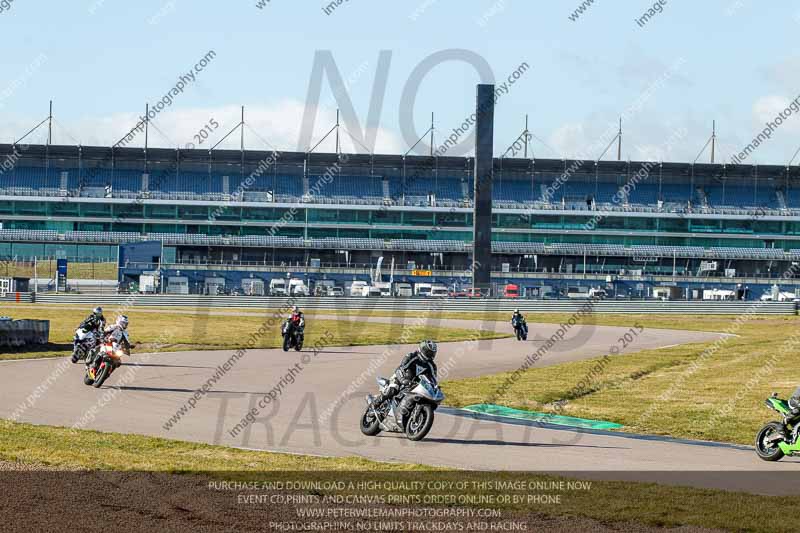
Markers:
170,331
606,501
683,391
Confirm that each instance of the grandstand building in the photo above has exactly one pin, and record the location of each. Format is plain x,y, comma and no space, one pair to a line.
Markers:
629,226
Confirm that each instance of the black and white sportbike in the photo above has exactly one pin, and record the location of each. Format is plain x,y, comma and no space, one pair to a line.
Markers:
410,411
84,345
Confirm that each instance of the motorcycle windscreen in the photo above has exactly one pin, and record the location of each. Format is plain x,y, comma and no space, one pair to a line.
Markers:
427,390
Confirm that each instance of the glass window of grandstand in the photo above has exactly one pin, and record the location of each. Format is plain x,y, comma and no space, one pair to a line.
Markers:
384,216
132,210
30,208
320,215
261,214
451,219
193,212
418,218
95,210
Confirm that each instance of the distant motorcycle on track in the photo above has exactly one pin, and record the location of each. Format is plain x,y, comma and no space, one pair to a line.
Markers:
293,336
520,328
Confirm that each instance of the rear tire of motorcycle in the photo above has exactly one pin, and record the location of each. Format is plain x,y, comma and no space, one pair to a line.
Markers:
427,424
101,377
286,343
769,454
370,429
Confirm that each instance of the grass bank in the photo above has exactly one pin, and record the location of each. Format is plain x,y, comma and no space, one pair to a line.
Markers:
702,391
170,331
608,502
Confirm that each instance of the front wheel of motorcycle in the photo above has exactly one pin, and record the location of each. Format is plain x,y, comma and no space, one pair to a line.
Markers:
101,376
370,425
286,343
419,422
766,448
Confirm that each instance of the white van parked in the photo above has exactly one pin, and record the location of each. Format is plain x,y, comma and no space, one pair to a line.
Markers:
439,291
422,289
297,287
359,288
403,290
277,287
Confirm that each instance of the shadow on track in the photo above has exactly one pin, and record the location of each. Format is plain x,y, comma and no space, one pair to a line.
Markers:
343,353
167,366
188,391
37,348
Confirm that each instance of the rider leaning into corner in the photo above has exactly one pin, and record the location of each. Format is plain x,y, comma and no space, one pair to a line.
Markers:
406,373
115,334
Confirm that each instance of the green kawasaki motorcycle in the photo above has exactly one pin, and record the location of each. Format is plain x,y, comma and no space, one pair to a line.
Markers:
777,439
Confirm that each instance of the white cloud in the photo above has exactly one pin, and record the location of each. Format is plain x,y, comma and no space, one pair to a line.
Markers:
766,108
278,124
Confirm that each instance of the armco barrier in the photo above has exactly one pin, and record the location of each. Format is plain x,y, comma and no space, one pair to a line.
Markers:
422,304
17,333
19,297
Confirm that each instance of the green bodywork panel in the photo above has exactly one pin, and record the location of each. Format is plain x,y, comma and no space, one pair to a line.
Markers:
789,449
780,405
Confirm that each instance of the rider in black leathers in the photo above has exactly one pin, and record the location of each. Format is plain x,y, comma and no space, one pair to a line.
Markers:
406,373
94,323
794,402
518,320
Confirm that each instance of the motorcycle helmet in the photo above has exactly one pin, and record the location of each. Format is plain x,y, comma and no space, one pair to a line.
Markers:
97,311
122,321
295,310
428,349
516,311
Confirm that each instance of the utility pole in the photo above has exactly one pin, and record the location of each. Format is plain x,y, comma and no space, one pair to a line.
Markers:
50,125
713,138
526,136
337,132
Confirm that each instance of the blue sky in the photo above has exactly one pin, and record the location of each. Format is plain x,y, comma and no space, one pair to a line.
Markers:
101,60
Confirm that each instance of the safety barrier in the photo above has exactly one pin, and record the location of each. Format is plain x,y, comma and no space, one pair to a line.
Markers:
17,333
426,304
19,297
